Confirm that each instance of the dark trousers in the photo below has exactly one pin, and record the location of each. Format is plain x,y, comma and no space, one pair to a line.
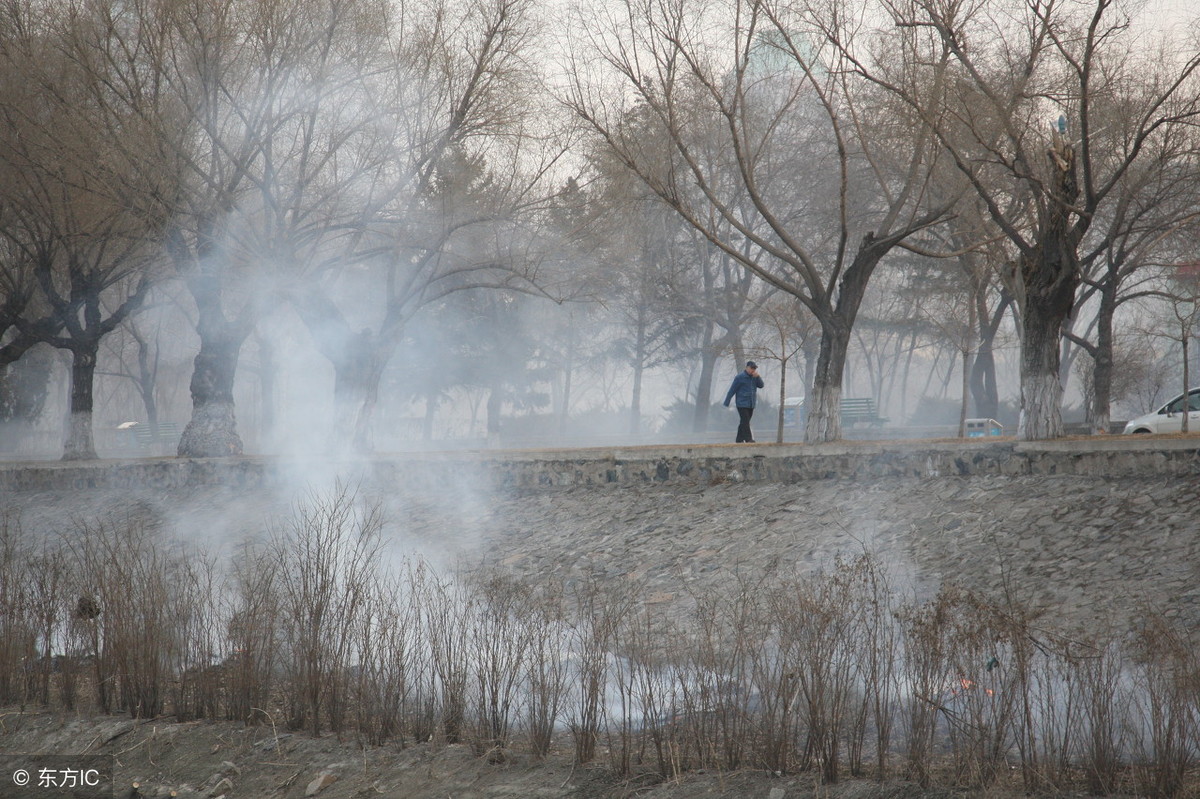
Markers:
744,435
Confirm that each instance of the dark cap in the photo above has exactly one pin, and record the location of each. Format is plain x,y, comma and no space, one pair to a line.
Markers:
751,365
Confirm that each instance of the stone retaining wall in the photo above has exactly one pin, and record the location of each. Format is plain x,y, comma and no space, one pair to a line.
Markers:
531,469
1088,532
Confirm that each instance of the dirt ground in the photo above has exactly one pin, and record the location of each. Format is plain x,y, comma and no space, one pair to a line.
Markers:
163,758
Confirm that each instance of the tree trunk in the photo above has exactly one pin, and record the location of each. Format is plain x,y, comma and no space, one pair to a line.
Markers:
966,393
983,381
79,444
824,422
708,365
812,353
905,378
783,363
639,366
1041,388
1185,334
966,374
739,353
564,410
212,431
1050,276
358,360
984,390
495,402
147,377
358,371
1102,368
431,403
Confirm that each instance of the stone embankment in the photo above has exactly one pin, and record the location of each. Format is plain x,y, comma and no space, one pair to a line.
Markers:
625,466
1087,531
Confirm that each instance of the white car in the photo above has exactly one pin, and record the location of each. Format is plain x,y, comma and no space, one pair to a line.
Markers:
1169,418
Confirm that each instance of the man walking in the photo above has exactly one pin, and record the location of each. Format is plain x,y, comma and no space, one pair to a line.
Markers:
745,387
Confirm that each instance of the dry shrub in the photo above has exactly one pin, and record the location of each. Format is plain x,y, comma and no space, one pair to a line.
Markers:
829,674
964,660
324,566
133,613
1105,697
594,615
21,663
253,637
1166,671
385,640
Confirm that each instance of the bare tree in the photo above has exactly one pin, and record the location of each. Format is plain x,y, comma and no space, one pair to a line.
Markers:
786,330
24,321
1149,223
277,101
89,251
461,167
257,112
209,81
984,265
648,258
658,272
728,301
144,354
766,145
1050,106
1182,295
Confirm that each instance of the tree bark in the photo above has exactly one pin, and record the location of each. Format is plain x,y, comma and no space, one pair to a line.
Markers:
783,364
824,422
639,366
983,381
966,393
212,431
1050,276
79,443
1041,388
984,390
708,365
358,359
1102,367
431,403
564,410
357,374
495,403
1184,334
147,380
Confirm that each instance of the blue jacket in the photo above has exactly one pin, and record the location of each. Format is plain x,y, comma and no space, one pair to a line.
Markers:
745,387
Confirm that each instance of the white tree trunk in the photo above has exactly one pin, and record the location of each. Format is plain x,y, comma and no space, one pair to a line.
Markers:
211,432
78,445
824,421
1041,402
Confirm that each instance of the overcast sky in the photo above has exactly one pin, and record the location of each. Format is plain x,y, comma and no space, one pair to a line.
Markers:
1172,13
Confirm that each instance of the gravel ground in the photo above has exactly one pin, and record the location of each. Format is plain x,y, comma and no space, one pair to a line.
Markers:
1081,550
1084,550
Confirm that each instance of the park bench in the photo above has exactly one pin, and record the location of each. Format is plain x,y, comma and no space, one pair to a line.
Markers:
146,437
860,409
